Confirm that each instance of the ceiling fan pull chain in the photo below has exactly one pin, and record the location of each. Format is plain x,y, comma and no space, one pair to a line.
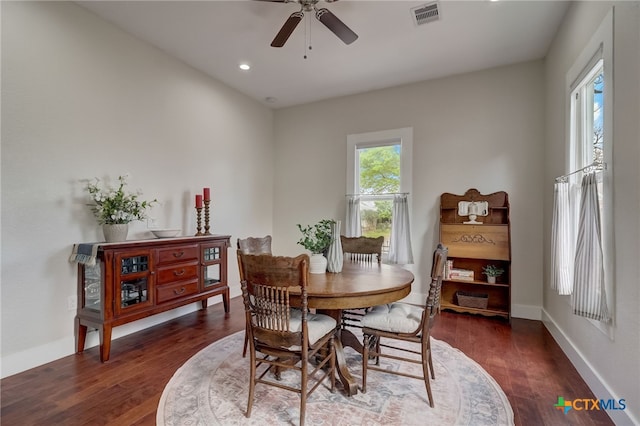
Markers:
307,34
310,26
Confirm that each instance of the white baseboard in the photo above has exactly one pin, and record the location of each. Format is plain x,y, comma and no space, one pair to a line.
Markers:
24,360
587,372
526,312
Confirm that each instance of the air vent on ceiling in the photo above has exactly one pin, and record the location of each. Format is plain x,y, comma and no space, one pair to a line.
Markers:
426,13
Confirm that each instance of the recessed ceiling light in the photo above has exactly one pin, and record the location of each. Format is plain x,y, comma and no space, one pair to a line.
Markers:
244,66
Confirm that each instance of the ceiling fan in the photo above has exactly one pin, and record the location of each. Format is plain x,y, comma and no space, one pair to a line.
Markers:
323,15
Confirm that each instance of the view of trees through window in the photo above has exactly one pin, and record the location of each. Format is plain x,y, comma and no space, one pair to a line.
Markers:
598,131
378,180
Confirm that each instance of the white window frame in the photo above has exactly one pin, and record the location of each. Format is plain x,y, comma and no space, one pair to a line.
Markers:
598,49
402,136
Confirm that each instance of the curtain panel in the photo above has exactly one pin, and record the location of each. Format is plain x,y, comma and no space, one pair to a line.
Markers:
352,224
400,241
589,298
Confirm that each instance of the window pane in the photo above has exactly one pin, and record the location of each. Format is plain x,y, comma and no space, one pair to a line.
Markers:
379,169
597,88
378,174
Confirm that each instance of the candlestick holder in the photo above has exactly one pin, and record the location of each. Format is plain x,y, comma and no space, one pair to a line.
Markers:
206,217
199,221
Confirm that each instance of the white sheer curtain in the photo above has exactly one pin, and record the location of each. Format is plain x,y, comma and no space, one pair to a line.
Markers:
562,241
352,224
400,240
589,297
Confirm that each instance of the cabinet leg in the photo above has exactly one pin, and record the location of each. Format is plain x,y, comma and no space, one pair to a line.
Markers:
105,342
225,300
81,335
204,303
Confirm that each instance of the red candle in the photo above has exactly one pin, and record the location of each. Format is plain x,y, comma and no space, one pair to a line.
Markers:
207,194
198,201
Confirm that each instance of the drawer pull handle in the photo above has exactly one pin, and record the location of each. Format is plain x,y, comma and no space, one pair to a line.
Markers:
178,273
178,254
178,292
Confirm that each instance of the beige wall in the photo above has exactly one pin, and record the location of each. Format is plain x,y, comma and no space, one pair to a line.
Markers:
80,99
481,130
610,365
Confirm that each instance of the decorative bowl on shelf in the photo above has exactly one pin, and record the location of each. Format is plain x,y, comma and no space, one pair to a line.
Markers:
165,233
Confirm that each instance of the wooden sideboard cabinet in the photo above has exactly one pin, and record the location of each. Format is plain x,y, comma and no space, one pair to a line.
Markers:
473,247
136,279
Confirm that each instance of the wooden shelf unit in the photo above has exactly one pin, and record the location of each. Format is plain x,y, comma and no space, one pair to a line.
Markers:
473,247
132,280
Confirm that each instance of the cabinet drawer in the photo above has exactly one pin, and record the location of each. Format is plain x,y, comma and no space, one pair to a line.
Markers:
181,272
174,291
177,254
476,241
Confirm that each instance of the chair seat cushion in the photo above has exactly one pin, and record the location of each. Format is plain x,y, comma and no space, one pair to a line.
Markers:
317,324
394,317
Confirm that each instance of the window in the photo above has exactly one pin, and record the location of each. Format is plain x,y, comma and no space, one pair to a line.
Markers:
587,113
587,127
587,266
379,169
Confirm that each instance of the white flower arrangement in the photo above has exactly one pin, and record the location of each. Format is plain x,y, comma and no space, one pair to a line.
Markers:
115,206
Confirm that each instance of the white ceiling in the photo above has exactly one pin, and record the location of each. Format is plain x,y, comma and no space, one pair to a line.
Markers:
215,36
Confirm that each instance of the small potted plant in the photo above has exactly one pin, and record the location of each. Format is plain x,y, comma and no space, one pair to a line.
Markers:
492,271
316,238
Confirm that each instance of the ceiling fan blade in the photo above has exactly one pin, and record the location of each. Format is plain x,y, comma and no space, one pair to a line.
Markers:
336,26
286,30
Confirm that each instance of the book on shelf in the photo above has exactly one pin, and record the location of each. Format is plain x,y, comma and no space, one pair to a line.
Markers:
461,274
447,269
454,278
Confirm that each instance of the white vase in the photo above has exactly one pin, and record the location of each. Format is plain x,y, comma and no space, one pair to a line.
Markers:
335,256
491,280
114,233
317,264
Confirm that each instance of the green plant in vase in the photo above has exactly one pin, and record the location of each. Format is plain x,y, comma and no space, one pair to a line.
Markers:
492,272
115,207
316,238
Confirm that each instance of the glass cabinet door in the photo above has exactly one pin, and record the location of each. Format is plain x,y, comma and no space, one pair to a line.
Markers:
133,275
211,257
92,287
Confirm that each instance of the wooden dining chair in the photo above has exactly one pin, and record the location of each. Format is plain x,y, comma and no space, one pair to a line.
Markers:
281,337
253,245
365,250
407,323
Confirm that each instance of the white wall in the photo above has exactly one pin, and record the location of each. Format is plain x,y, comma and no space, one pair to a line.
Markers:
481,130
80,99
610,366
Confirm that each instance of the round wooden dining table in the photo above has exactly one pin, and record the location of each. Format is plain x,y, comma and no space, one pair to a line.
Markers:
359,285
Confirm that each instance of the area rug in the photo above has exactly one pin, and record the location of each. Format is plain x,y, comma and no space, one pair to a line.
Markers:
212,388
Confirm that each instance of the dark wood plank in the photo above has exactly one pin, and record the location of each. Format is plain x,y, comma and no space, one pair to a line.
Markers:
79,390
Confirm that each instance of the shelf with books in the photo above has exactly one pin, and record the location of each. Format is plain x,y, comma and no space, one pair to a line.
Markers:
475,250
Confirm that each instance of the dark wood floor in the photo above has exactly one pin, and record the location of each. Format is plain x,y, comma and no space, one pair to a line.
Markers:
79,390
